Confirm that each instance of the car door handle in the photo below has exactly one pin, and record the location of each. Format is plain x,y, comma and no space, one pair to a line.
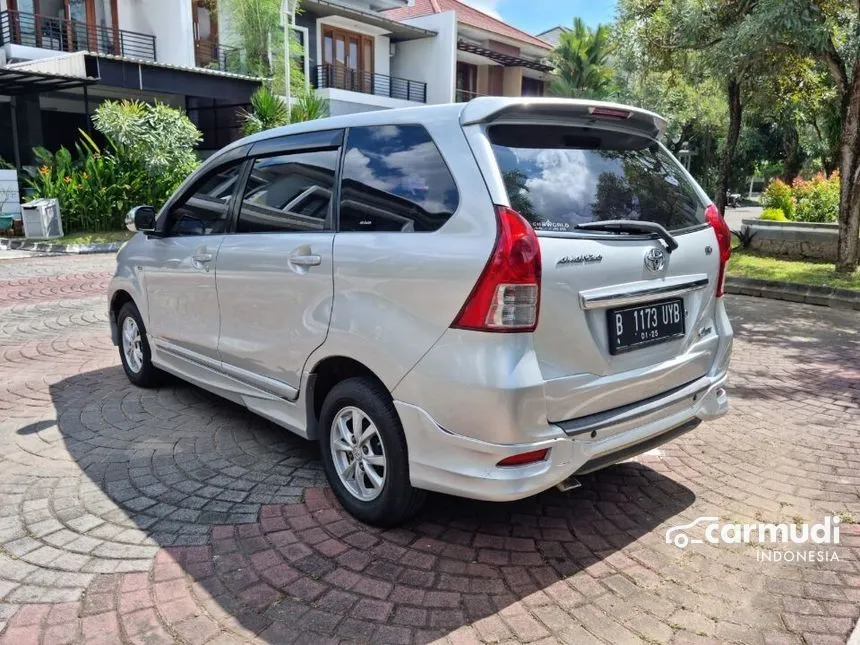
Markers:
306,260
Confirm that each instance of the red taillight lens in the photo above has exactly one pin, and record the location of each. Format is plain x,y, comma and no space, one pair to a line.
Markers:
524,458
724,241
507,295
609,113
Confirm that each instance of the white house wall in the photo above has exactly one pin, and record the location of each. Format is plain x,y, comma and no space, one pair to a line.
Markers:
170,21
432,60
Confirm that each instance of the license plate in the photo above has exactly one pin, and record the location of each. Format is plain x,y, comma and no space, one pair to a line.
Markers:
635,327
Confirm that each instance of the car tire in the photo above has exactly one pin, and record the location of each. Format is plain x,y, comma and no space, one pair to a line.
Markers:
134,348
358,402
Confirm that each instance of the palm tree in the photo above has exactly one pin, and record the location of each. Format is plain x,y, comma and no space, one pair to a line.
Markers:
582,62
268,110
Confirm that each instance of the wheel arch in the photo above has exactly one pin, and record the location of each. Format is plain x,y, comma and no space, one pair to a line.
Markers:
118,300
327,373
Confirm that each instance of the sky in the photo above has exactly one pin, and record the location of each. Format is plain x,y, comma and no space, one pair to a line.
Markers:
538,15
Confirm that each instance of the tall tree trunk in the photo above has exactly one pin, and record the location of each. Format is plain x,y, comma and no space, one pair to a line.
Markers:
793,158
849,171
728,156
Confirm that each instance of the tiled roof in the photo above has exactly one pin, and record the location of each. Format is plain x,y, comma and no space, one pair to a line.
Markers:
468,16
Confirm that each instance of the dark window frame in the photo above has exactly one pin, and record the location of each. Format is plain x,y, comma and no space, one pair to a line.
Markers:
206,174
270,152
340,177
317,141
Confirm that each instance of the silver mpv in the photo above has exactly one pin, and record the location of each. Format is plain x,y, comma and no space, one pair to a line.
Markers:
480,299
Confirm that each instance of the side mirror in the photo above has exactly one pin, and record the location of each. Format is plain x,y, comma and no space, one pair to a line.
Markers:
140,218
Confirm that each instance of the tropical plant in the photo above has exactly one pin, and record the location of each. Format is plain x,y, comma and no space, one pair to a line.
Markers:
149,151
309,105
744,237
93,190
817,198
581,62
158,137
270,111
267,111
773,215
779,195
257,29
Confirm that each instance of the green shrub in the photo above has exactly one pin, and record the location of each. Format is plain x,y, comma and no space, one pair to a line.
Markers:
779,195
817,198
774,215
150,151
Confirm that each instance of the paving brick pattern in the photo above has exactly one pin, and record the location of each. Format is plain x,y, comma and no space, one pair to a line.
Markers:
171,516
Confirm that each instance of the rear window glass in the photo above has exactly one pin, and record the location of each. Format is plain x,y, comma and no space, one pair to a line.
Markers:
558,177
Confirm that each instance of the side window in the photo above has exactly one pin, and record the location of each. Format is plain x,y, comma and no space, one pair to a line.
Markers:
394,179
205,209
288,193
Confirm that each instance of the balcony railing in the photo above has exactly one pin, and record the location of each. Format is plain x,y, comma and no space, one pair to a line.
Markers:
213,55
343,78
464,96
60,34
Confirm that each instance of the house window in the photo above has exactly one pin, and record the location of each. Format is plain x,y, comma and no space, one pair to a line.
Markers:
467,82
205,18
532,86
347,60
66,25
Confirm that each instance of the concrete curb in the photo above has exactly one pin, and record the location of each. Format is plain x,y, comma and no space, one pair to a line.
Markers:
793,292
11,244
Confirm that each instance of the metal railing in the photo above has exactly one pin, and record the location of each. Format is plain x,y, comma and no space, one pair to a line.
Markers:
61,34
464,96
343,78
214,55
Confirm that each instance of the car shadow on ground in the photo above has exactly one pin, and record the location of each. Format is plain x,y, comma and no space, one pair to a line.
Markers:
248,536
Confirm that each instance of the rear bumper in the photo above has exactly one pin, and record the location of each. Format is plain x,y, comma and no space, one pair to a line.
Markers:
449,463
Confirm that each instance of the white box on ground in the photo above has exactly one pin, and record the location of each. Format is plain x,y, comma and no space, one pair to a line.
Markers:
42,219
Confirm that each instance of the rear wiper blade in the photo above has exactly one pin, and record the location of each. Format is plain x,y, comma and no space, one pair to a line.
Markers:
632,226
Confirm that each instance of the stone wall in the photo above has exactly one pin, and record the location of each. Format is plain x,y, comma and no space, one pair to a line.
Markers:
794,240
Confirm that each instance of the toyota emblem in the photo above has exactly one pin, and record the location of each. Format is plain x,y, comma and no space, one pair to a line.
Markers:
655,260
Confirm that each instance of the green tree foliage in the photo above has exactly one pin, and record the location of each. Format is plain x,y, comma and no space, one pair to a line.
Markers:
158,138
516,186
581,62
773,53
149,152
256,27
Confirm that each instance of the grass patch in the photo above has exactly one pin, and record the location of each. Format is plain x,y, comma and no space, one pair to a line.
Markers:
94,238
821,274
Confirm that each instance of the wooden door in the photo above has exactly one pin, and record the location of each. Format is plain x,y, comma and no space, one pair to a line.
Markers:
205,24
347,60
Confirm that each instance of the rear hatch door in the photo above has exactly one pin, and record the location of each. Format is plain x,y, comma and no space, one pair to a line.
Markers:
626,313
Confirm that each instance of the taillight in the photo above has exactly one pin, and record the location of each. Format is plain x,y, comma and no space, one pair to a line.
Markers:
609,113
524,458
724,241
507,295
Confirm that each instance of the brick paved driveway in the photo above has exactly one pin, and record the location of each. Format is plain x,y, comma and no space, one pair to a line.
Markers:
171,516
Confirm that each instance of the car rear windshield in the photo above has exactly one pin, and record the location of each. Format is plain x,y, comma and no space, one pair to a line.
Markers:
558,177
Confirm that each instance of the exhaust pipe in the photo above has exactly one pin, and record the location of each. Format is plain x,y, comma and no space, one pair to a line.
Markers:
568,484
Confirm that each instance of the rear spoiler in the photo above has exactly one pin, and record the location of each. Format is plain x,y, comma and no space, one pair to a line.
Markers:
487,109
